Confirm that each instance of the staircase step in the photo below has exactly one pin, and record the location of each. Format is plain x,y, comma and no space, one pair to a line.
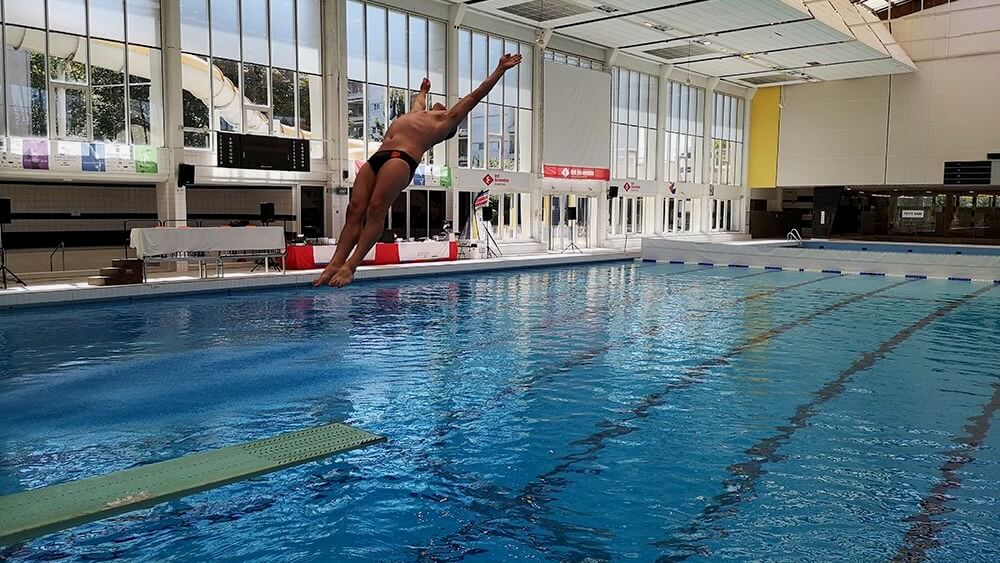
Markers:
100,280
126,263
113,271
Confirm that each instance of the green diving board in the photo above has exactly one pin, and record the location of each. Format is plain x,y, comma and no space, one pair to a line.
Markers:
48,509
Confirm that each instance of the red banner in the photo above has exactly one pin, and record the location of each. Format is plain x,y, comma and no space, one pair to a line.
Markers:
576,172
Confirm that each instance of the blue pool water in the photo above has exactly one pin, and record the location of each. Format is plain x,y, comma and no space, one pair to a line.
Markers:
965,250
613,412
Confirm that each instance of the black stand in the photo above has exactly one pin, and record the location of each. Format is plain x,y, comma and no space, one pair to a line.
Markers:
4,270
572,241
490,253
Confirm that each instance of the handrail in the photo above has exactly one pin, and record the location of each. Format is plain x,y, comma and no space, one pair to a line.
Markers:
793,235
60,246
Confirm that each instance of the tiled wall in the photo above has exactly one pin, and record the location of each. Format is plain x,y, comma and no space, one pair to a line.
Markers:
75,198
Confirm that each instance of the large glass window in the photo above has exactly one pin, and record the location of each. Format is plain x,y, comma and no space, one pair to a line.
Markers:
497,133
79,79
685,126
261,75
727,139
633,124
511,215
630,215
389,53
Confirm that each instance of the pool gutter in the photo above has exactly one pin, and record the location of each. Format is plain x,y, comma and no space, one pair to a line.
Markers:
787,255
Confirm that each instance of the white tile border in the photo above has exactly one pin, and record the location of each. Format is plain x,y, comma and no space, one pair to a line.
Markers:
52,294
780,255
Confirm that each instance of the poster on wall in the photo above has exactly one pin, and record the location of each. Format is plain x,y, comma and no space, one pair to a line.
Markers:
144,157
432,175
10,154
576,172
118,158
94,159
67,157
35,154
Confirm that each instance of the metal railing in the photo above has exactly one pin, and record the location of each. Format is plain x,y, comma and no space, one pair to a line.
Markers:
793,235
59,247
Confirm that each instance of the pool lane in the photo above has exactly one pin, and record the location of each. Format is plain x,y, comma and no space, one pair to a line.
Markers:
744,475
543,488
926,526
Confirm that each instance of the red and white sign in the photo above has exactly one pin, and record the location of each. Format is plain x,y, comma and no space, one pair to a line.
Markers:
631,187
576,172
500,180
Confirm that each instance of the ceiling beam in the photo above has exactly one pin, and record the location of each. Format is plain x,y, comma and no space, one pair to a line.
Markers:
636,13
609,61
716,33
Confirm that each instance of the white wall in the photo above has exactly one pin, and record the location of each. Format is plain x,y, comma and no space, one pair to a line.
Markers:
577,116
901,129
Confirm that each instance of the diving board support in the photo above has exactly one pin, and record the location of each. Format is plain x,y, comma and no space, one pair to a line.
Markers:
57,507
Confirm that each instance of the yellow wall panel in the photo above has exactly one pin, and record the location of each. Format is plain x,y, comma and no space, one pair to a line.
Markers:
765,115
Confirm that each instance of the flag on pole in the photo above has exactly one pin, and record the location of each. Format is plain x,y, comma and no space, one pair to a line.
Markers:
672,186
482,199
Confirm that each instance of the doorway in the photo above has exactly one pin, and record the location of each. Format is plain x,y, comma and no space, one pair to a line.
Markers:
568,219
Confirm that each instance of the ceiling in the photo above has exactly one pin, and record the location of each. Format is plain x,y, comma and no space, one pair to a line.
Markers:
745,42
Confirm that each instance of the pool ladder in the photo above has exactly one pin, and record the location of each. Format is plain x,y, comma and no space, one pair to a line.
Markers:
793,235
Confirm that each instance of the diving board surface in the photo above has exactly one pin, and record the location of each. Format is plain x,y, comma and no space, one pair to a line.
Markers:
57,507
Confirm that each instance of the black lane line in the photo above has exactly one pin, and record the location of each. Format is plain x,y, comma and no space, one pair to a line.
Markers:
543,489
923,531
742,483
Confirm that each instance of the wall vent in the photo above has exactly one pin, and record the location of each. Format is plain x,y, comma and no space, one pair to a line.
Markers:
680,52
972,173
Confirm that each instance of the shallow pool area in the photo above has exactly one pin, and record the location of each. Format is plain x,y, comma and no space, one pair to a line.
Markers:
604,412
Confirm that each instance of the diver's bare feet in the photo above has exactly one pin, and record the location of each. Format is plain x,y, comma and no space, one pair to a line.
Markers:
344,276
327,274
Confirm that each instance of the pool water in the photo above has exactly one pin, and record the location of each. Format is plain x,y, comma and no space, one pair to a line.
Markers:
610,412
964,250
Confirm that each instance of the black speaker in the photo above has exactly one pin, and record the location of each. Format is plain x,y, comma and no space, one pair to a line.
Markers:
487,214
185,174
571,214
5,210
266,211
612,192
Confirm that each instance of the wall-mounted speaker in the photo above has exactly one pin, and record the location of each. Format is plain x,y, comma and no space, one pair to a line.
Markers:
612,192
571,214
185,174
5,217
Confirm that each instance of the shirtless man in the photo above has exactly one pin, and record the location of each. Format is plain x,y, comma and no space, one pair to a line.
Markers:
391,168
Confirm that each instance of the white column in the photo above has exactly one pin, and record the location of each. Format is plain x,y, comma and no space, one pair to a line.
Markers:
537,133
334,113
706,165
741,215
661,146
171,199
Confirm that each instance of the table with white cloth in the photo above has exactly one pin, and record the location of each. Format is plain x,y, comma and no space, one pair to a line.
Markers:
204,244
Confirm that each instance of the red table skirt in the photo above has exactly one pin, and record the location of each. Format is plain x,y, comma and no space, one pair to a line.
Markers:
308,257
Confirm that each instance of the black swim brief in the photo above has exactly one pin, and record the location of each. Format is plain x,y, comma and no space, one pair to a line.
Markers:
381,157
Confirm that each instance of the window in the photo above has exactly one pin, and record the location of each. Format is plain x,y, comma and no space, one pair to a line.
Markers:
389,53
633,124
685,132
727,139
511,217
252,66
497,133
630,215
572,60
677,215
721,215
78,79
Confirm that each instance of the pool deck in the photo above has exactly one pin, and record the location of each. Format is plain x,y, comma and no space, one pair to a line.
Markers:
782,255
178,284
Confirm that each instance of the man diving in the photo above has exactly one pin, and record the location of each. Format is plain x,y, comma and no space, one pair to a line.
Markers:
391,168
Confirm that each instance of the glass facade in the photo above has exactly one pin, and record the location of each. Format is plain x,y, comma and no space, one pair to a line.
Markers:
83,71
497,133
685,106
252,66
634,98
389,53
727,139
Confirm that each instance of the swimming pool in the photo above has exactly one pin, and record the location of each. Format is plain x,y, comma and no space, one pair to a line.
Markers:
616,411
964,250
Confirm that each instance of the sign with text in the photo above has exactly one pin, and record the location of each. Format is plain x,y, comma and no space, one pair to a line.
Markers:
67,157
576,172
35,154
913,213
631,187
145,160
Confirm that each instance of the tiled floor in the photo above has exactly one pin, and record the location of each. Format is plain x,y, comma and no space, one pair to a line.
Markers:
47,293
